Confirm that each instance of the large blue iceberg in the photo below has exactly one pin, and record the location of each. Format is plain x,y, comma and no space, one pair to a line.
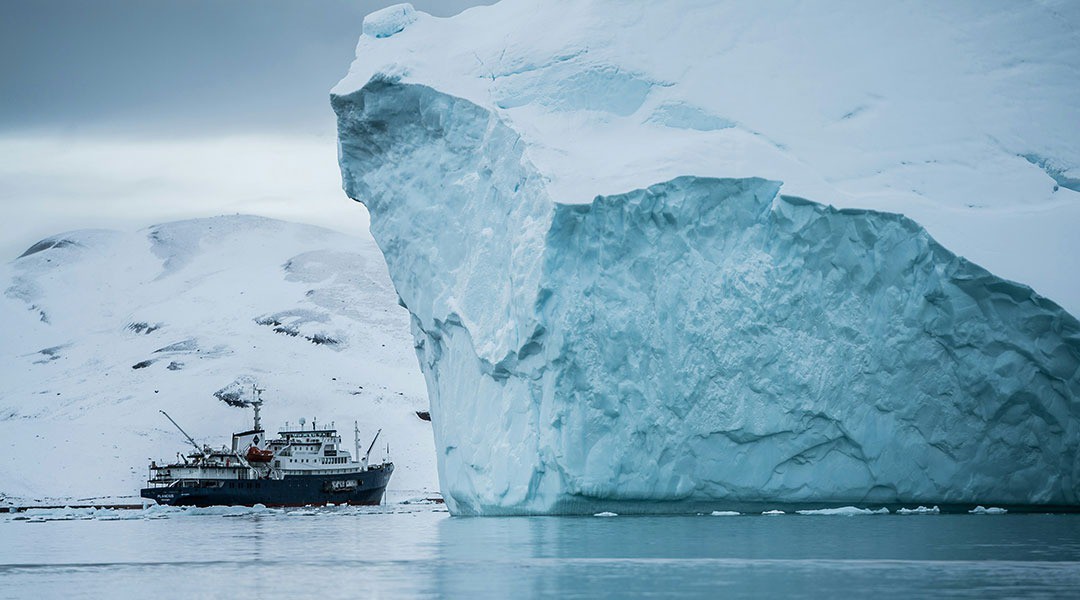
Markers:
701,343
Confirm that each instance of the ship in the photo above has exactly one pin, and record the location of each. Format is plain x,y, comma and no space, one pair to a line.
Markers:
301,467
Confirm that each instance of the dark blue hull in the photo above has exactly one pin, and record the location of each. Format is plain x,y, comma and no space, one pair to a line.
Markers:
364,488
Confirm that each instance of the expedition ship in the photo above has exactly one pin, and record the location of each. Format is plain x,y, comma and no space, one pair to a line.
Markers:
301,467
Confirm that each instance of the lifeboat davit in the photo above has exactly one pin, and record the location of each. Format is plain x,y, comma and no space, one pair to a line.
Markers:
260,456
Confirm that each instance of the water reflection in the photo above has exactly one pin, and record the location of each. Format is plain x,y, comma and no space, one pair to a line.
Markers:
752,555
345,553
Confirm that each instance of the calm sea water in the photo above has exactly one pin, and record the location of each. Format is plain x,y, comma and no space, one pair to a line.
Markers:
402,552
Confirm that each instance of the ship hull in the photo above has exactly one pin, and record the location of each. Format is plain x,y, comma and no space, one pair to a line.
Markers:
361,488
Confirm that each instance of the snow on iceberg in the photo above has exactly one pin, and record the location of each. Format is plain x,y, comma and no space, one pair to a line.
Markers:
843,105
696,339
388,21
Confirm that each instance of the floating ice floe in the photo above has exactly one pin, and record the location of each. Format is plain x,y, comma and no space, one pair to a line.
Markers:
67,513
770,513
843,511
982,510
606,514
922,510
724,513
154,512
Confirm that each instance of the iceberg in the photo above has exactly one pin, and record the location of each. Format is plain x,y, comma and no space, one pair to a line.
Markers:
692,340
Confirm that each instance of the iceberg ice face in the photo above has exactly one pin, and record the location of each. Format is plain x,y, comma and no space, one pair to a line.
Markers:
701,341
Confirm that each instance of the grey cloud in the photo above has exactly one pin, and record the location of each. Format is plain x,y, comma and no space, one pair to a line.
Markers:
165,68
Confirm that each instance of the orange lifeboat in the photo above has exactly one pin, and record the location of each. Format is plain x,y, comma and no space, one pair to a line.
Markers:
256,455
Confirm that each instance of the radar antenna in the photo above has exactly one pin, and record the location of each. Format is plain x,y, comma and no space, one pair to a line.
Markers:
197,448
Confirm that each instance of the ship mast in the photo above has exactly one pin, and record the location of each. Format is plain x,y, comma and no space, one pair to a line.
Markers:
257,404
356,441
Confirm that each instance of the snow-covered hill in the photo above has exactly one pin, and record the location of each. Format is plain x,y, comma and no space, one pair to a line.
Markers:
102,329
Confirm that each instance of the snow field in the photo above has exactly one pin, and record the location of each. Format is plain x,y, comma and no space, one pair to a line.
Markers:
106,329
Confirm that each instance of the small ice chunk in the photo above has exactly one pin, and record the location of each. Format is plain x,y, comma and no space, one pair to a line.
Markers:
922,510
388,21
773,512
982,510
725,513
606,514
844,511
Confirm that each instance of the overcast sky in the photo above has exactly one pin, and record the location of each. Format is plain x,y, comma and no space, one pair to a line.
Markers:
123,113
